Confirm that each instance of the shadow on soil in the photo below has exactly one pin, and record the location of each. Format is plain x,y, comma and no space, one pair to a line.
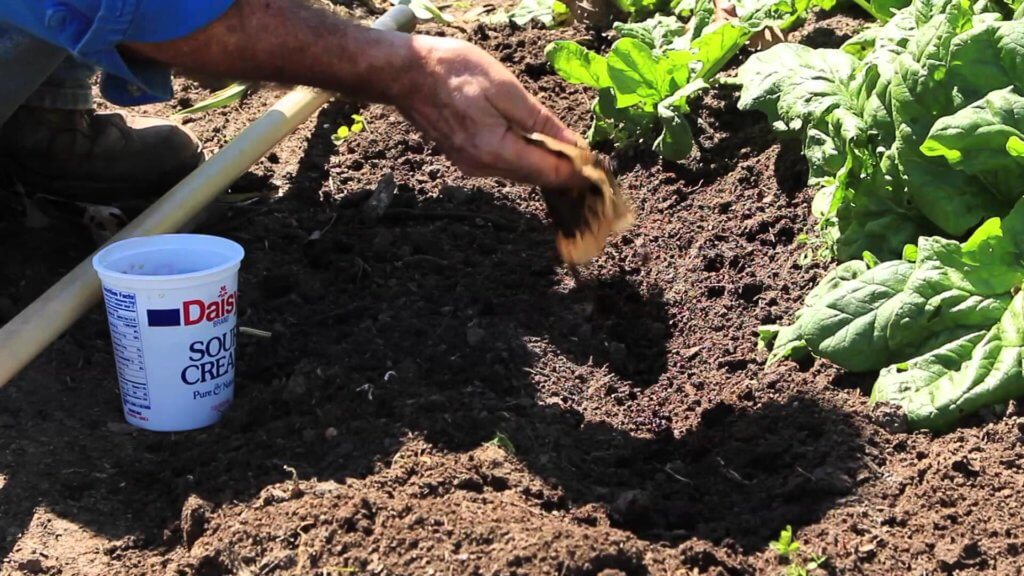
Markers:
433,321
417,324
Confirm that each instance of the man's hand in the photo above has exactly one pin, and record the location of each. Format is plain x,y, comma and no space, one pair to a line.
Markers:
459,96
477,112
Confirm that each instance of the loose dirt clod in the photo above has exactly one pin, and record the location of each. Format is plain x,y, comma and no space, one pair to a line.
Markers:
31,566
195,515
585,218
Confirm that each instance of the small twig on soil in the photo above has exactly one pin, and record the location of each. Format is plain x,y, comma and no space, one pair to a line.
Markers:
424,259
293,472
408,214
677,476
266,569
732,473
318,234
804,472
695,188
254,332
368,388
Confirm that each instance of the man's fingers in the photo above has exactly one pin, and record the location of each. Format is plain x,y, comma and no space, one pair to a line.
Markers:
526,113
530,163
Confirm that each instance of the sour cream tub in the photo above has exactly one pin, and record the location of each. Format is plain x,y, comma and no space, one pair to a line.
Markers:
172,306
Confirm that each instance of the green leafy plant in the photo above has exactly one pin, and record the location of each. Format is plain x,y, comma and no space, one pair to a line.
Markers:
219,99
913,135
786,546
649,75
946,329
640,93
426,10
882,10
788,549
642,9
502,441
550,13
817,561
898,126
344,132
657,32
798,569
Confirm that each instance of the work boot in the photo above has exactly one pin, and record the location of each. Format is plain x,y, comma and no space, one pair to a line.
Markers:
82,155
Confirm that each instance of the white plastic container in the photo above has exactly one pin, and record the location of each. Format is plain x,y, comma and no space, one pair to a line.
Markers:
172,306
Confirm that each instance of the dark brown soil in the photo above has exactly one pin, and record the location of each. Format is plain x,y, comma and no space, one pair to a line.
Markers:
648,436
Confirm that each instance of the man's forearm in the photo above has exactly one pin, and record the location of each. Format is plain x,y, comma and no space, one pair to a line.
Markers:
458,96
293,42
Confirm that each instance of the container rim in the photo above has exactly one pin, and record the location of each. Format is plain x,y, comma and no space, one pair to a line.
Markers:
232,251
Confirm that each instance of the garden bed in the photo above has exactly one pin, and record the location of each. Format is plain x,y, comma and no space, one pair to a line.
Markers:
648,435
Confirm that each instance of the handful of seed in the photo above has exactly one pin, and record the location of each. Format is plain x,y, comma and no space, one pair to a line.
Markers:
585,217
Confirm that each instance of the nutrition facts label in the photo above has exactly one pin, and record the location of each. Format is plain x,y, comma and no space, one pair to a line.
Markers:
123,315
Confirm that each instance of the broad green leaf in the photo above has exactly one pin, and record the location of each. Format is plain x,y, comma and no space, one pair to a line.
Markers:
898,310
795,82
1015,147
953,200
683,7
789,341
634,73
875,223
676,140
841,325
910,253
974,140
870,9
622,125
924,10
826,158
980,369
551,13
766,335
918,92
640,8
882,10
870,259
577,65
987,58
758,14
674,70
717,45
893,35
425,10
703,15
657,32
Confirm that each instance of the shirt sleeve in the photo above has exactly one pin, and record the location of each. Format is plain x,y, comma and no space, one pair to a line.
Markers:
93,29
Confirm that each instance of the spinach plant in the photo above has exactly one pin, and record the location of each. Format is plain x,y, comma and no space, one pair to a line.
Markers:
649,75
913,132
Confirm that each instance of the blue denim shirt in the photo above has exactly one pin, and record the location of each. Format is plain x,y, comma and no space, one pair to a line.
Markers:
92,30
